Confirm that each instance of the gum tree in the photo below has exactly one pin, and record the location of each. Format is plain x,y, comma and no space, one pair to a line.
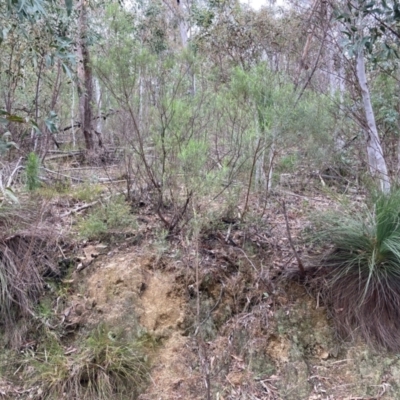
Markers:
361,36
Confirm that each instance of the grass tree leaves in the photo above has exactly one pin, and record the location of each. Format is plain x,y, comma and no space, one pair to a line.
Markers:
68,6
364,270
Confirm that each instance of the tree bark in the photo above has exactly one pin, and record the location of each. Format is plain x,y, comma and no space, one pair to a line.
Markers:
183,28
376,160
85,84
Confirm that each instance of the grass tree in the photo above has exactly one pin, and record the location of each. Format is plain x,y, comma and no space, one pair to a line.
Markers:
364,270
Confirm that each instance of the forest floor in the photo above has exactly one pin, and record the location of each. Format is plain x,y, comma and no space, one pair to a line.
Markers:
227,313
250,333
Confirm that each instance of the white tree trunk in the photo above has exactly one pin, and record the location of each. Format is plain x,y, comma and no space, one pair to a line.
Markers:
272,153
183,28
183,32
99,122
73,117
376,161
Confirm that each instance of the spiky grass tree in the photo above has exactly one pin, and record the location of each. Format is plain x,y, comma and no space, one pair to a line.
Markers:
364,271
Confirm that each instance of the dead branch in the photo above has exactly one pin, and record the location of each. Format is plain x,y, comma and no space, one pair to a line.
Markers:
80,208
78,124
65,176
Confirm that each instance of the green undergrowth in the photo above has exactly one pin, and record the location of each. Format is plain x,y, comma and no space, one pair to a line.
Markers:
86,192
32,172
104,365
105,219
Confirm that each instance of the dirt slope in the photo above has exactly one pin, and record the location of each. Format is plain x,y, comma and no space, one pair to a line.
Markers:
276,345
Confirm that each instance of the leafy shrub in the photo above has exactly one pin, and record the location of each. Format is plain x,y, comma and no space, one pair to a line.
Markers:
364,270
110,216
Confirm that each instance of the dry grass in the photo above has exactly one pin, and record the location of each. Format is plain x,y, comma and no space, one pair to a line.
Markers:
375,313
105,366
26,254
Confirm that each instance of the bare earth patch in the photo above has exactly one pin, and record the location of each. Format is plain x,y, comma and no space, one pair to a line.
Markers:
129,293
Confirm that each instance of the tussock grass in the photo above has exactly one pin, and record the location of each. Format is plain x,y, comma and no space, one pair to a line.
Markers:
364,270
26,253
105,367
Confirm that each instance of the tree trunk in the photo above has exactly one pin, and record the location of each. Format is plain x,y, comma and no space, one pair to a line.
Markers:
182,23
376,161
85,84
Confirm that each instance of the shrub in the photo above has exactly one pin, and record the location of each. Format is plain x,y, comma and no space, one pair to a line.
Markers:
87,192
364,270
113,215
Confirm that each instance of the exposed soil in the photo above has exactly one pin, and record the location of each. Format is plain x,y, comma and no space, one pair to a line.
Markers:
226,323
281,346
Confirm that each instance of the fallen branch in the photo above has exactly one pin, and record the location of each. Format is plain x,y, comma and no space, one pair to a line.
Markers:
65,176
80,208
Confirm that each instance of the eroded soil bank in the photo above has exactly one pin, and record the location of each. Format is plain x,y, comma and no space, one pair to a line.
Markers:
222,319
271,341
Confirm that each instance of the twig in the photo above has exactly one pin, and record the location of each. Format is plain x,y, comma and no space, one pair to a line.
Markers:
247,257
75,210
11,177
64,155
65,176
253,165
210,312
299,263
205,366
77,124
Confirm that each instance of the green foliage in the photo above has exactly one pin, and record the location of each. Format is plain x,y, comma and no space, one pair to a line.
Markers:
32,172
106,366
364,269
287,163
114,215
385,99
5,143
87,192
370,25
56,189
196,136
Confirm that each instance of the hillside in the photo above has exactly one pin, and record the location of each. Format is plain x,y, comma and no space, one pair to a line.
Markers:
199,200
221,315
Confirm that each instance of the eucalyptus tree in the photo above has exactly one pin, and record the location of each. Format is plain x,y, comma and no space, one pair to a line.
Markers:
85,78
35,43
370,33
